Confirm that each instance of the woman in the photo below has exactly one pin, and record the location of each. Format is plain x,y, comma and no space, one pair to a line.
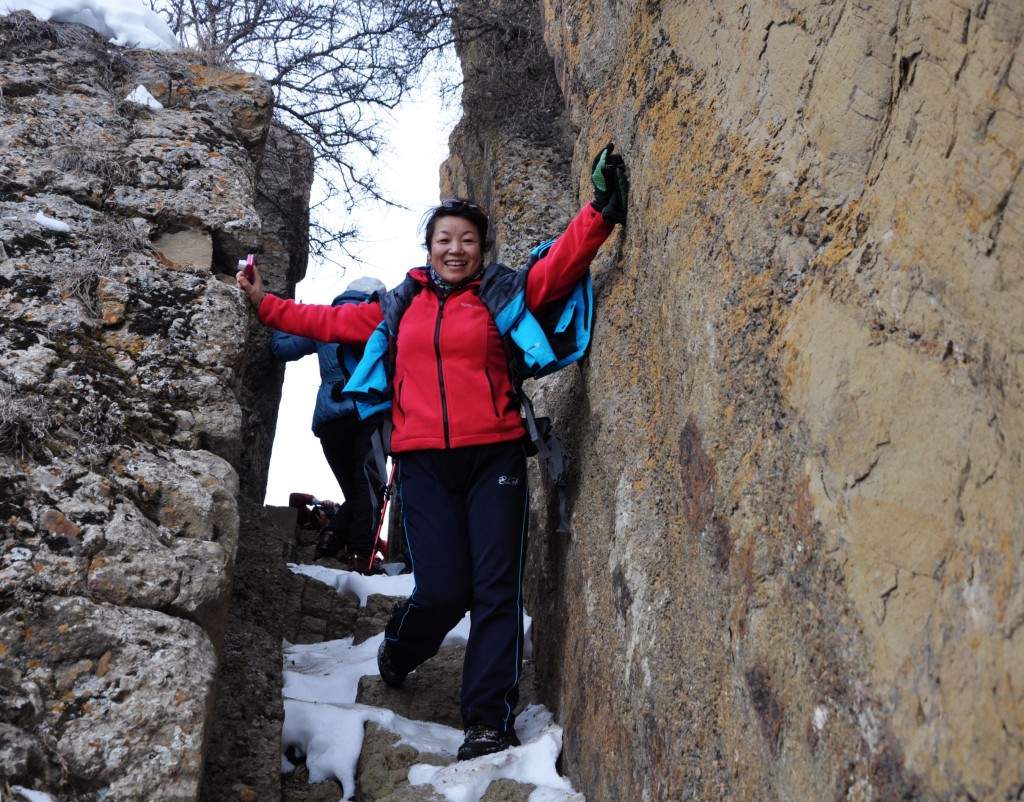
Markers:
458,442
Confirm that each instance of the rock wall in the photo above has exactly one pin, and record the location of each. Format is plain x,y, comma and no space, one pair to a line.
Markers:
795,566
121,427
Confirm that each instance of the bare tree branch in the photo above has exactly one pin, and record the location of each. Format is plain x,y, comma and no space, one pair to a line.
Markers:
335,68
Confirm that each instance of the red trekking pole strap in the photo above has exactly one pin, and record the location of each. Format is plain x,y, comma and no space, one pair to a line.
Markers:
383,514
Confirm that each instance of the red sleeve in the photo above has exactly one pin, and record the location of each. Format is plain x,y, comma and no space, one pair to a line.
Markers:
351,324
554,276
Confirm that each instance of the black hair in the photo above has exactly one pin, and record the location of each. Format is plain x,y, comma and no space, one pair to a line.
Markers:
457,207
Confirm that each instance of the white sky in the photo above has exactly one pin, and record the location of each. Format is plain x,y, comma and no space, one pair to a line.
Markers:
322,719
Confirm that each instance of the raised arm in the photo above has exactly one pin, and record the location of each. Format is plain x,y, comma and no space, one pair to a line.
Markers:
554,276
351,324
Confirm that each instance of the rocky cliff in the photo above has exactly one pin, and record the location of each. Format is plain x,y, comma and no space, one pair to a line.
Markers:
794,570
129,424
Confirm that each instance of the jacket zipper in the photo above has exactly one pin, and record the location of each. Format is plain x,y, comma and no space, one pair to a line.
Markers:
441,298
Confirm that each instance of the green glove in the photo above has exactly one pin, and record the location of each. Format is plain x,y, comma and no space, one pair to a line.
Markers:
611,185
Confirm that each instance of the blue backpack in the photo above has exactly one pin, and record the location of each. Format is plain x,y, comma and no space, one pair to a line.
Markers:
535,347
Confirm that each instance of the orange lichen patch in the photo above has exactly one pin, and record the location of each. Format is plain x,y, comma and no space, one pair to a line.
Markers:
901,222
803,510
746,474
755,294
843,227
1003,565
760,177
53,521
1000,161
224,80
104,664
73,672
131,344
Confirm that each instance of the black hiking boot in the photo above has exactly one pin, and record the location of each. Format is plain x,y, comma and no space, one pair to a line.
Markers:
328,545
360,563
388,673
482,740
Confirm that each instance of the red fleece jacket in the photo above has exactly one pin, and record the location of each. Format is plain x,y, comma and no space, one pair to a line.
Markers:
452,387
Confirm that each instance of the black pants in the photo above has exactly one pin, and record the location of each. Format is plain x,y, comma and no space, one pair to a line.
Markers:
465,516
346,444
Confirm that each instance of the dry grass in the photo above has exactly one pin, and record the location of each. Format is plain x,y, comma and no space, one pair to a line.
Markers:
78,278
24,421
92,162
22,28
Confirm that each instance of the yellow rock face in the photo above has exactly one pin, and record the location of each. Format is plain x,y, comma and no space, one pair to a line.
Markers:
795,569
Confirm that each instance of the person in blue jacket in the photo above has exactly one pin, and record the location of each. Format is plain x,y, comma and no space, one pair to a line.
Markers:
344,437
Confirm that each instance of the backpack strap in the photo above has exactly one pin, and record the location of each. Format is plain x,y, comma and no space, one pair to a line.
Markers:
528,354
549,449
393,303
375,468
371,386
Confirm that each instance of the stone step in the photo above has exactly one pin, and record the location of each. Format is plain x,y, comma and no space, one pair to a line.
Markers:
272,604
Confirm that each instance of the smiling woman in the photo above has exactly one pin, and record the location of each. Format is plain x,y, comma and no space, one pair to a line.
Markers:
458,439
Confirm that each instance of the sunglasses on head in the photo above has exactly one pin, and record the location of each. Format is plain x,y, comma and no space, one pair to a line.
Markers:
459,203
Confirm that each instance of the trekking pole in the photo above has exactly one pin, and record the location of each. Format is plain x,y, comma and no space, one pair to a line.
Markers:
383,513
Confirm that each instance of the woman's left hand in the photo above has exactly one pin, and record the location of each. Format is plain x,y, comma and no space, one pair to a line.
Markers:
611,184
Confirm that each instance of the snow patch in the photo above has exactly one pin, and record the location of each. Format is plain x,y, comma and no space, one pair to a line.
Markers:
126,22
323,722
142,96
51,224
